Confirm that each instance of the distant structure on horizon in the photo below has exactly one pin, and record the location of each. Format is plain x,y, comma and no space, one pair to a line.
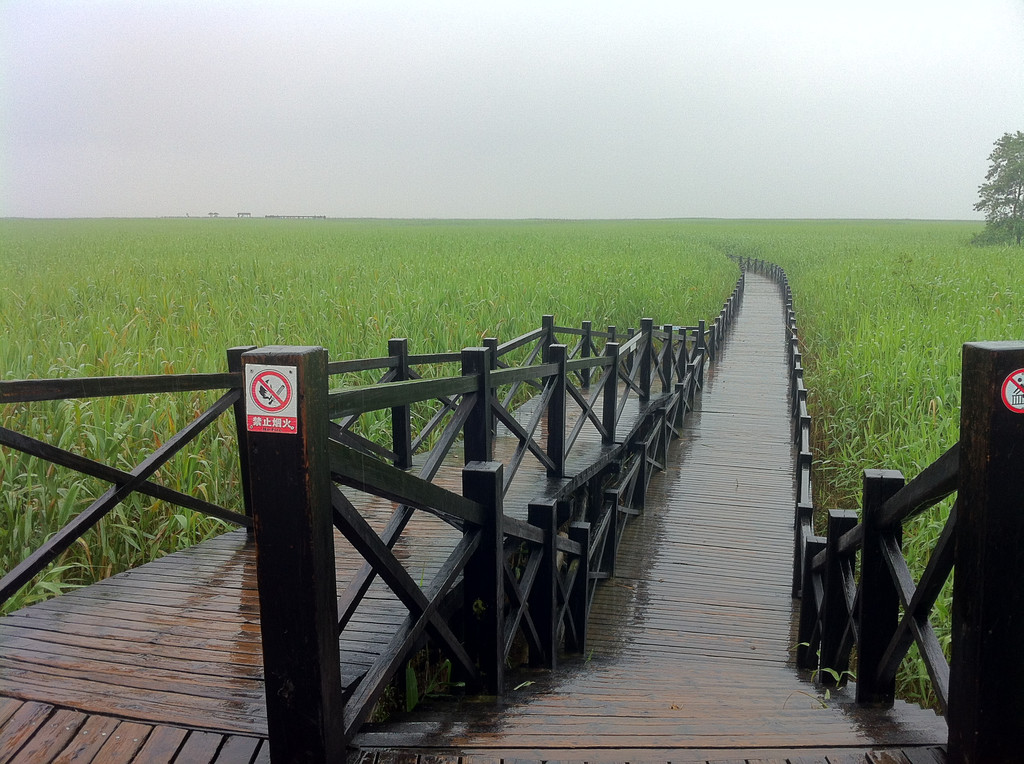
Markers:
212,215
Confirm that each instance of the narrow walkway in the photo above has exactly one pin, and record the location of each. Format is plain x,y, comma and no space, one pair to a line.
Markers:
690,651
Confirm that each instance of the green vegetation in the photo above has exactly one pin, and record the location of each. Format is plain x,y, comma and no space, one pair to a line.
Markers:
1001,196
94,298
883,310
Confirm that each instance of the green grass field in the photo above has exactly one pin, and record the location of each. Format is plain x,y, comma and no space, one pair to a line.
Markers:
883,309
94,298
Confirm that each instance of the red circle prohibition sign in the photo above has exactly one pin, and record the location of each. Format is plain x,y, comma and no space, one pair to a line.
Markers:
270,390
1013,391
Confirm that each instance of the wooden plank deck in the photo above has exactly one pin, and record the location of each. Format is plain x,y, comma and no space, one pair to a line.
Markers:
690,643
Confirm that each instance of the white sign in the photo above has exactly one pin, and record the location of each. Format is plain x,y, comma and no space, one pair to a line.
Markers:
271,404
1013,391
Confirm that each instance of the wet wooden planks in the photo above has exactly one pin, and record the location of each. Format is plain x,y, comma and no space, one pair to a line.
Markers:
32,732
915,755
177,641
691,643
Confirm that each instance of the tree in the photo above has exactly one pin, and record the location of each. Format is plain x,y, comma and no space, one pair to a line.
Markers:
1001,196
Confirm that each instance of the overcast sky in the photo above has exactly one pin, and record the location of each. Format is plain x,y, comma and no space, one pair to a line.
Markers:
718,108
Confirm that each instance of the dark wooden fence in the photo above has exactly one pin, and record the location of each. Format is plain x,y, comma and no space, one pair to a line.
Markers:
123,483
600,410
857,591
478,602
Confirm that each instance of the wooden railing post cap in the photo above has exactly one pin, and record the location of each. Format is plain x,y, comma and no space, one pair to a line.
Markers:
876,474
478,467
282,350
483,479
484,353
996,346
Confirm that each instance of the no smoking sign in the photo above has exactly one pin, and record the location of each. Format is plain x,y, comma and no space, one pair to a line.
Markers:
1013,391
271,404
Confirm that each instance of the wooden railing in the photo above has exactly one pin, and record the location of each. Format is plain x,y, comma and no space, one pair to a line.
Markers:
123,483
563,542
857,590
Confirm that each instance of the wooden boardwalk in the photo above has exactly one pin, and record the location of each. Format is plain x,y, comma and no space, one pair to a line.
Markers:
689,655
690,652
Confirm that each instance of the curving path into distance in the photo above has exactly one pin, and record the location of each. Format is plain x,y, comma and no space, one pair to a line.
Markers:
690,648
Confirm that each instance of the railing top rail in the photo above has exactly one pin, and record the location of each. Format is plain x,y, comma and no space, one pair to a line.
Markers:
631,343
850,541
522,373
25,390
578,364
934,483
359,400
428,358
580,332
362,364
518,342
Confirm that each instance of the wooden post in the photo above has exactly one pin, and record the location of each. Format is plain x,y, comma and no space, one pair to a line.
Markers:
807,647
615,522
802,519
681,405
691,386
556,412
579,595
986,683
682,355
289,479
611,392
484,609
544,594
401,416
646,349
630,358
491,343
834,654
242,435
661,422
547,324
639,495
667,359
879,613
585,351
702,349
477,446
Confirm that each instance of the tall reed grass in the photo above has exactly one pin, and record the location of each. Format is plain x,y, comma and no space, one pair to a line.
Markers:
96,298
884,310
